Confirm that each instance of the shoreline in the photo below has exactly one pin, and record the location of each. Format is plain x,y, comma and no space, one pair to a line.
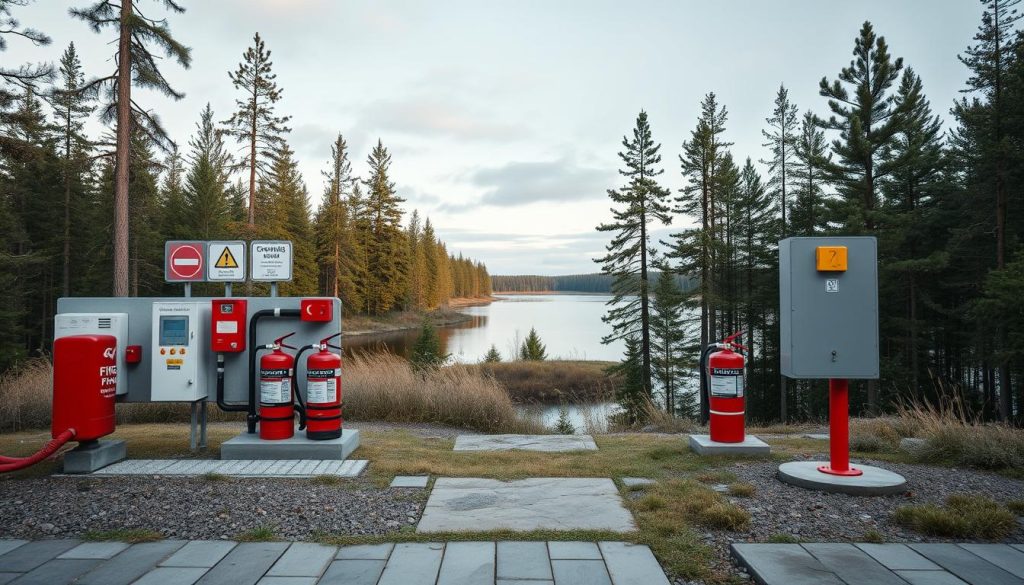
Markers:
410,320
549,292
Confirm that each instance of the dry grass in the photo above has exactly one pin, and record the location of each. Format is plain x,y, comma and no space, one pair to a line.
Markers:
385,387
963,516
742,490
553,381
25,395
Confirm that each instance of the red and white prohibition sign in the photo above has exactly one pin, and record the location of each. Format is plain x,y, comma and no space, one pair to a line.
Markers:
185,262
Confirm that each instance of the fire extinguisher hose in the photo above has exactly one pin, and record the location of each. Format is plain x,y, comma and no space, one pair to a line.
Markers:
14,464
704,381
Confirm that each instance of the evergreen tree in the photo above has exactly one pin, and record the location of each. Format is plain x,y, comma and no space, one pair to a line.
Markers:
668,338
431,284
338,248
172,198
782,140
427,352
807,215
284,213
386,249
207,208
26,77
492,356
532,349
136,63
254,123
642,201
630,391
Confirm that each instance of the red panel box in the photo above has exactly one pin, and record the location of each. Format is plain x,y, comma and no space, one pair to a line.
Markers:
227,326
84,385
317,309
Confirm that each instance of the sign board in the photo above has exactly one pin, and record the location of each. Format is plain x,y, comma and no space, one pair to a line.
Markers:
271,260
828,319
225,261
185,261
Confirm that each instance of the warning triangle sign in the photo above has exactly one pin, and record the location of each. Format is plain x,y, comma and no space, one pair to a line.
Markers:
226,259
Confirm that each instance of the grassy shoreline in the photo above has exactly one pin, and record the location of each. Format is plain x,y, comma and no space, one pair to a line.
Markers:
362,325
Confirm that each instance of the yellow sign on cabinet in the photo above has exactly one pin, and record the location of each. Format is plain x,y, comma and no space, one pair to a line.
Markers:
831,258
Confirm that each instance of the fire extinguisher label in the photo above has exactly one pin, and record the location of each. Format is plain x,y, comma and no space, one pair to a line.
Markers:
275,386
322,391
729,386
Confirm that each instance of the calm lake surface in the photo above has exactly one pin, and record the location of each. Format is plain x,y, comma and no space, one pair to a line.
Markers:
569,325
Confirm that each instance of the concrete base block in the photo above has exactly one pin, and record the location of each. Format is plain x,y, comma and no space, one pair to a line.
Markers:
751,445
246,446
89,457
874,481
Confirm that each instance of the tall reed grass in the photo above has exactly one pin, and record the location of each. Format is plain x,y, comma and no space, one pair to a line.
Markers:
375,387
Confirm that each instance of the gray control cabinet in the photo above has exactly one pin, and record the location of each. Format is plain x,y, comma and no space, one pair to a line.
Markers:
828,316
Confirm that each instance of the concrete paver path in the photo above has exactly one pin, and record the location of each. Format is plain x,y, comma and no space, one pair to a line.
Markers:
207,562
548,443
237,467
883,564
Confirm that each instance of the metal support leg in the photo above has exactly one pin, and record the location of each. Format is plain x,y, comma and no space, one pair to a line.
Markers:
202,424
193,407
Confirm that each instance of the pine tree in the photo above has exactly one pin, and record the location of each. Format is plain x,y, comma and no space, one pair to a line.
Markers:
642,201
782,140
172,199
492,356
431,285
138,35
338,248
71,107
386,249
630,391
15,81
284,213
254,123
668,338
207,208
427,352
807,214
532,349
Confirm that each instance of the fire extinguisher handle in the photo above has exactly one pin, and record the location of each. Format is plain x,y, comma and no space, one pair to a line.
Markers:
280,341
326,339
332,346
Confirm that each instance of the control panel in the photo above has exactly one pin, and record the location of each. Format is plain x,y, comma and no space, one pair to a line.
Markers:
181,353
228,325
116,324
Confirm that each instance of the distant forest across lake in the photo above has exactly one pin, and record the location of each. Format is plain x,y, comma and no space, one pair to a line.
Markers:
583,283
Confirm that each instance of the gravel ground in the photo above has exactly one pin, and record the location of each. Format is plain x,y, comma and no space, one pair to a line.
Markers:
781,509
198,508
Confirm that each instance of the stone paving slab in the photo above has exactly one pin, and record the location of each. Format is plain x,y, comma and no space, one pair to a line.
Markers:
7,545
472,504
863,563
548,443
637,481
94,550
236,467
283,563
410,481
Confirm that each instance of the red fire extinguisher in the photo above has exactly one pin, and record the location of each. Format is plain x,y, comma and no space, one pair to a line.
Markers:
323,392
725,389
277,412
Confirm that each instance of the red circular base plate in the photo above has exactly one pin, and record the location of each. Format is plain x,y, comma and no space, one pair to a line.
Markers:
850,472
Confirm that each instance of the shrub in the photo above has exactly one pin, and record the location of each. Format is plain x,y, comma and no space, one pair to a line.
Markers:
953,437
427,352
564,426
963,516
492,356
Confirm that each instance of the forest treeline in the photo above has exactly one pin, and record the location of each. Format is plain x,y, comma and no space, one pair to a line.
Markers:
588,283
943,199
235,178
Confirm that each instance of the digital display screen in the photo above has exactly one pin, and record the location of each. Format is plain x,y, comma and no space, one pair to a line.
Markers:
173,330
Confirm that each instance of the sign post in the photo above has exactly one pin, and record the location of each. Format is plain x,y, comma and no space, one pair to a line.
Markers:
271,262
226,263
185,262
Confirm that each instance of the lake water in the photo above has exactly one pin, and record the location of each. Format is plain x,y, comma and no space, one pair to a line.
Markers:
569,325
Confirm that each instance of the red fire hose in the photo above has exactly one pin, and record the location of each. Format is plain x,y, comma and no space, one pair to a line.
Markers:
16,463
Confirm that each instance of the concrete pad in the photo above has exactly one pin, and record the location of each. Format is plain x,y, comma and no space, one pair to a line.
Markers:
751,445
58,571
816,436
939,577
375,552
523,560
287,581
898,557
410,481
134,562
1008,558
236,468
574,550
467,563
172,576
580,573
968,566
6,578
637,481
245,564
782,564
548,443
353,572
875,481
87,458
632,564
470,504
200,553
94,550
7,545
852,565
413,563
303,559
29,556
246,446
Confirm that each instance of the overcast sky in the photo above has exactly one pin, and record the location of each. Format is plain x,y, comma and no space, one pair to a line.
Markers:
504,118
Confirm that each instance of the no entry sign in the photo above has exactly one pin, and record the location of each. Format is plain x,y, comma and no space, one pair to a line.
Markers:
185,261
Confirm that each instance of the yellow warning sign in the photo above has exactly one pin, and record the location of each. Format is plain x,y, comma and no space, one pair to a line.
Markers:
226,259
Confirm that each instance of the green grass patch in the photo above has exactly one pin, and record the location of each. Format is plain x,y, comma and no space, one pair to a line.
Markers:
1016,506
258,534
214,476
873,536
325,480
783,538
962,516
716,476
133,536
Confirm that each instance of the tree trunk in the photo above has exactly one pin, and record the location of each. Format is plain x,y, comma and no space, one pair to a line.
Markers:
124,107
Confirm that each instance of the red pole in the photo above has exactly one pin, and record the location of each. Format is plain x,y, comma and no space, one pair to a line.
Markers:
839,429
